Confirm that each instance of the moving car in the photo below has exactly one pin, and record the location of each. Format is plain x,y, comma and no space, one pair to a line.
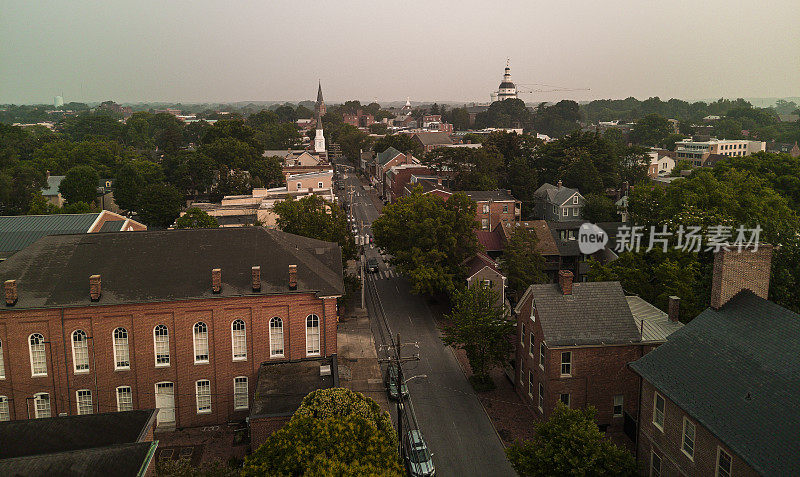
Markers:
391,382
372,265
418,460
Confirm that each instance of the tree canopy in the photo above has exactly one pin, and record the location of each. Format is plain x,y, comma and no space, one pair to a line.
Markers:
314,217
79,185
521,263
195,218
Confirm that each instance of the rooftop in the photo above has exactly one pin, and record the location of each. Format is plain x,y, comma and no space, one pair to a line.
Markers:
53,184
434,138
653,323
498,195
554,194
123,460
19,231
282,386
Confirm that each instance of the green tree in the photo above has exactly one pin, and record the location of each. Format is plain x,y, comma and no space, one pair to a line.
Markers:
599,208
570,444
378,128
428,238
183,468
651,130
402,142
314,217
18,187
190,171
159,205
132,179
80,185
195,218
522,263
479,327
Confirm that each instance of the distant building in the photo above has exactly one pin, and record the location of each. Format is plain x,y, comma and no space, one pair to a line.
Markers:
482,270
557,203
507,89
433,122
58,102
319,106
784,147
431,140
51,192
697,151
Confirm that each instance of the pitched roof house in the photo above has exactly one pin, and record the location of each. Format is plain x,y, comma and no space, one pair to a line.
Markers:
557,203
431,140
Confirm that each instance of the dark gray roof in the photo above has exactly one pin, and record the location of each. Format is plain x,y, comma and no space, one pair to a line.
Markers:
387,155
19,231
434,138
554,194
170,265
234,220
487,195
66,433
736,371
282,386
121,460
112,226
595,313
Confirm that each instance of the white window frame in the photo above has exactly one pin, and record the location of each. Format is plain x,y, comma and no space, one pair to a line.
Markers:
202,392
656,412
540,402
653,457
37,409
162,340
575,199
485,208
693,440
522,336
200,343
83,402
239,340
299,185
80,351
121,349
319,185
2,362
567,363
569,399
717,472
310,336
541,355
239,395
5,410
124,396
621,399
575,211
276,336
531,343
43,361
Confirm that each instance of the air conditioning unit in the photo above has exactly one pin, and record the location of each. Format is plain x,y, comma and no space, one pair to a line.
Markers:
325,370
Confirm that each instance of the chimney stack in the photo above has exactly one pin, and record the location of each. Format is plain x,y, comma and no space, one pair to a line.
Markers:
673,308
565,281
216,280
735,271
292,277
95,289
560,184
256,271
11,292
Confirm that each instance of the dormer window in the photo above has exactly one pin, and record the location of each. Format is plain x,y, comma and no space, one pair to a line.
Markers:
575,199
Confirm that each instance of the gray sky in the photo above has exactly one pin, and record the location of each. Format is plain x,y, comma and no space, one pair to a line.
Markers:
203,50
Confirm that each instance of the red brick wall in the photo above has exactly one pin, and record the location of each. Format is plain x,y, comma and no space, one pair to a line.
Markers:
496,214
262,428
667,443
179,317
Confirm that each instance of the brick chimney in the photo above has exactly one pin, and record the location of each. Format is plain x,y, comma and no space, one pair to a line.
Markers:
11,292
565,281
95,290
256,272
216,280
292,277
735,271
673,308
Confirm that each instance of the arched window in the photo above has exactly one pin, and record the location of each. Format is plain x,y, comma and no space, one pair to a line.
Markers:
80,351
2,363
5,415
312,335
122,358
239,340
41,405
161,344
200,342
276,337
38,355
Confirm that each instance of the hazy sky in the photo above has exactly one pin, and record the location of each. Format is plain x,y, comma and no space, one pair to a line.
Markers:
203,50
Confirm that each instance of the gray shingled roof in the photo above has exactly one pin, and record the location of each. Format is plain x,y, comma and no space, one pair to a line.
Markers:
387,155
122,460
736,371
595,313
169,265
19,231
653,323
434,138
282,386
553,194
486,195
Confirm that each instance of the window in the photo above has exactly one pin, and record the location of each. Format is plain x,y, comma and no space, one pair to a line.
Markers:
80,351
724,460
522,336
5,415
530,345
530,384
312,335
299,185
505,209
484,224
574,211
521,373
122,358
38,356
124,398
84,401
276,337
688,438
203,395
618,400
41,405
200,342
319,185
485,209
564,398
655,465
658,411
2,363
541,397
240,396
161,343
541,355
566,363
575,199
239,340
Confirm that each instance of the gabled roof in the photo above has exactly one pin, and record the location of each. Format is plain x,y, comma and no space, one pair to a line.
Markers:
554,194
492,240
434,138
122,460
19,231
384,157
545,243
596,313
496,195
736,372
478,262
170,265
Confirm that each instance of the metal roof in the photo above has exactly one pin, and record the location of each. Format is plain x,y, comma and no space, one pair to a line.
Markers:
17,232
112,226
653,323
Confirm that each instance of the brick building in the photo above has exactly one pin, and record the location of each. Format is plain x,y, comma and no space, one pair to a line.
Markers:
177,320
722,396
398,177
493,206
574,342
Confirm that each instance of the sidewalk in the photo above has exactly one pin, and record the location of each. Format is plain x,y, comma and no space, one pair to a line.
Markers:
359,369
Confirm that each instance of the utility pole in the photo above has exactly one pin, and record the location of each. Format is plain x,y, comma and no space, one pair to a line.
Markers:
398,359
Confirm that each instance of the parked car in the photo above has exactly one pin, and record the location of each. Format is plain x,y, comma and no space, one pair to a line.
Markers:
391,382
418,460
372,265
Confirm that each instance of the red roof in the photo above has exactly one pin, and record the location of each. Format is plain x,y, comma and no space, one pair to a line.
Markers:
490,240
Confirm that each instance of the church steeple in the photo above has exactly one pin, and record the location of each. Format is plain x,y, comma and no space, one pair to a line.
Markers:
319,106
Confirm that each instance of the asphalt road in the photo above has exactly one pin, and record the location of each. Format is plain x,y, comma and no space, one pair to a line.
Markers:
453,423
